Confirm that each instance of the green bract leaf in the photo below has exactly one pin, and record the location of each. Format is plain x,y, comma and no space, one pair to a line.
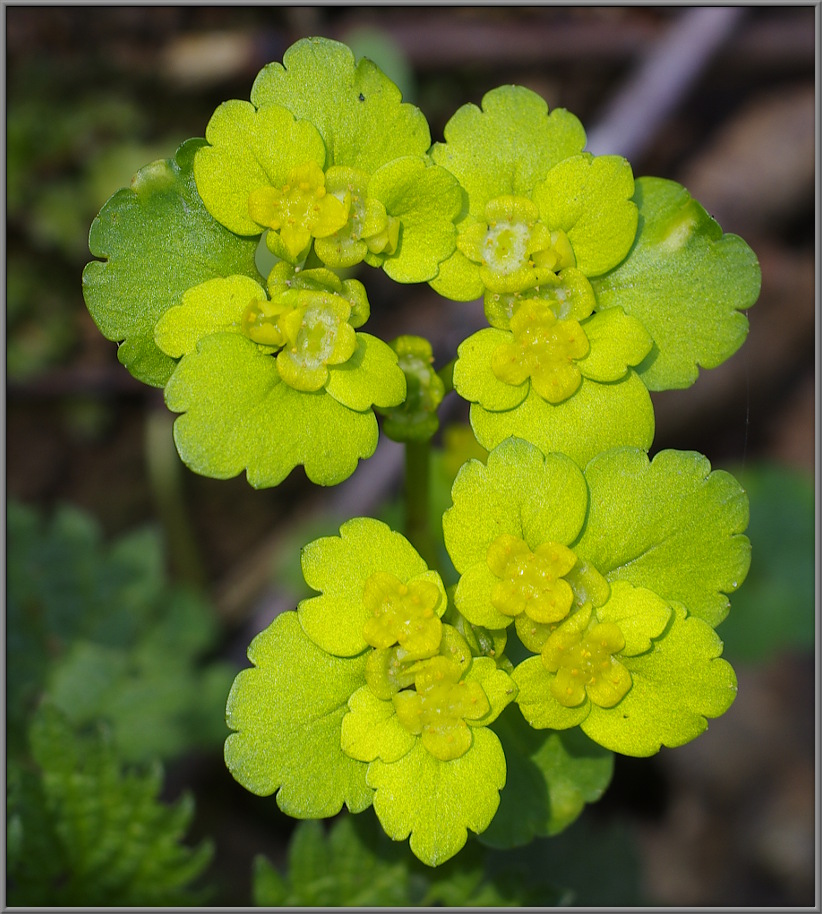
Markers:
370,377
686,282
675,687
670,525
617,343
372,729
595,418
211,307
355,106
340,567
240,415
288,712
250,149
520,492
158,240
507,146
426,199
551,776
437,802
590,200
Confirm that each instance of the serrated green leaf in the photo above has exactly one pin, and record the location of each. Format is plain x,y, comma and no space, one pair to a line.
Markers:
157,240
519,491
669,525
287,711
250,149
109,839
268,886
339,566
239,415
551,776
426,199
363,868
98,628
686,282
214,306
675,687
589,198
437,802
596,418
371,377
355,106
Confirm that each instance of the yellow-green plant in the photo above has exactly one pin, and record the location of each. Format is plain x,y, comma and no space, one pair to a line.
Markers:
589,575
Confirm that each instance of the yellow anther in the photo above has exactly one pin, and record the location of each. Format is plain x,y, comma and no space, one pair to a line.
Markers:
531,582
543,348
577,651
402,614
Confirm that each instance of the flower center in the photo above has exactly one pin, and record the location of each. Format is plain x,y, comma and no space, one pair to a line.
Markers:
515,250
403,614
300,209
581,653
368,228
531,582
316,334
544,348
439,708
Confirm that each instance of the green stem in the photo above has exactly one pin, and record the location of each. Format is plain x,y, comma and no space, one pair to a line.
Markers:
418,498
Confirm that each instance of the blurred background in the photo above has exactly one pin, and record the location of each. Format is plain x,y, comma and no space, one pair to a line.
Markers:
720,99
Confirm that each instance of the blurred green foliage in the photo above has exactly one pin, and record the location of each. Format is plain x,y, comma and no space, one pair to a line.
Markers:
84,830
774,610
353,864
64,158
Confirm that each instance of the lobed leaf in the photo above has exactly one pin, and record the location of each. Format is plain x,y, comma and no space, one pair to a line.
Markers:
507,146
618,342
157,240
596,418
371,377
519,491
214,306
339,566
551,776
356,108
427,200
669,525
249,149
239,415
589,198
675,687
437,802
686,282
287,711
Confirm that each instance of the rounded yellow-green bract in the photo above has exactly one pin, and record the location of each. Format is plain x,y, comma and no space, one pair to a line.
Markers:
340,567
250,149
